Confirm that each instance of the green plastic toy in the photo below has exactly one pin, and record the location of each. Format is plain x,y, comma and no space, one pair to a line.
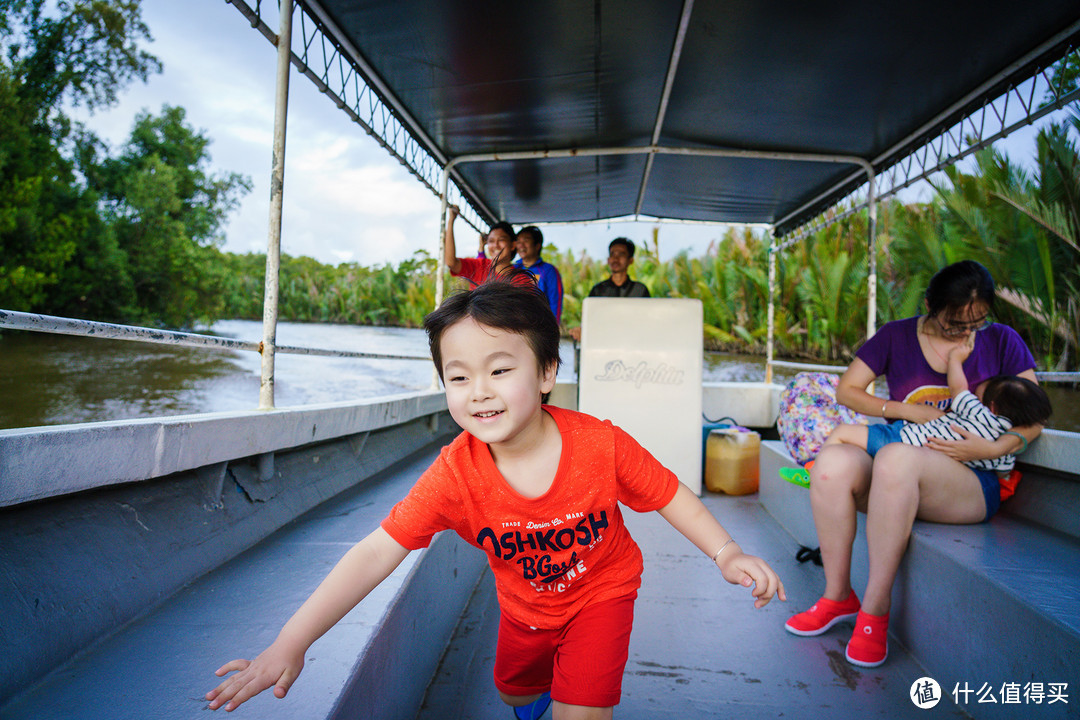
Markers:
796,476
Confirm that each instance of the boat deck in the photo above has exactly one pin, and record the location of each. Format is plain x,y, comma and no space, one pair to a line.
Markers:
699,649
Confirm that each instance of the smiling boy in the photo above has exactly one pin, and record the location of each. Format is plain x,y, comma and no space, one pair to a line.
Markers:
536,488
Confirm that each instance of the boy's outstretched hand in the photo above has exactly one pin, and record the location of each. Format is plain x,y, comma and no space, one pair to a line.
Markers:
750,570
688,515
365,566
276,666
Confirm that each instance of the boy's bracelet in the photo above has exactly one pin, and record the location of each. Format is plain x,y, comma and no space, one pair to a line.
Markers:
1023,440
883,406
729,541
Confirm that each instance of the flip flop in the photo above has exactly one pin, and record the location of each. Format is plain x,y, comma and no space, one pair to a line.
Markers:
535,709
796,476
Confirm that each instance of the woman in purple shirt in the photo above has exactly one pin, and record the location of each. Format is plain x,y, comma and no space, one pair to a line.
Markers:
902,482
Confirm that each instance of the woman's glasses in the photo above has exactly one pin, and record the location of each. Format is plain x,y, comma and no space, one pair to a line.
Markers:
951,329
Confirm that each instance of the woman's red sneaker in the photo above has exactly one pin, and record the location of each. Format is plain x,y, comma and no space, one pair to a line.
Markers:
869,644
823,615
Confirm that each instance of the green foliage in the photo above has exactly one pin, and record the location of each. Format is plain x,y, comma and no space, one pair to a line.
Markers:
1064,77
84,52
347,293
1026,230
42,217
166,210
130,237
80,53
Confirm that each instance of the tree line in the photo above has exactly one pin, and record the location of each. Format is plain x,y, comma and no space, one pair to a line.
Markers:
1022,225
134,235
129,235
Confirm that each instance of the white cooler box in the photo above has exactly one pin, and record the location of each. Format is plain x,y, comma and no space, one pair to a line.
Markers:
641,368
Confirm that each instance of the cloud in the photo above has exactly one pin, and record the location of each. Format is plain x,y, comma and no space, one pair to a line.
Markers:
346,199
380,191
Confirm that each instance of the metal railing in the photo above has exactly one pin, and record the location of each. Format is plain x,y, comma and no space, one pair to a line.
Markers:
1048,376
109,331
15,320
340,72
809,367
941,146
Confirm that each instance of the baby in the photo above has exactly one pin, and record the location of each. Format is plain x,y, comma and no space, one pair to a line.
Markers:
1007,400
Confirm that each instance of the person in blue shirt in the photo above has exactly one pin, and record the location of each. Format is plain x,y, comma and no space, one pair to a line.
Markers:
528,245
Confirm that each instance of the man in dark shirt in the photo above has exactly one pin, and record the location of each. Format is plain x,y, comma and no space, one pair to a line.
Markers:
620,258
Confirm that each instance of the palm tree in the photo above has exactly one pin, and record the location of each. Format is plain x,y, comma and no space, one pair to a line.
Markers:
1025,227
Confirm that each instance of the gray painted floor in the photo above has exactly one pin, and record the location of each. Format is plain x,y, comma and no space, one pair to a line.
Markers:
699,648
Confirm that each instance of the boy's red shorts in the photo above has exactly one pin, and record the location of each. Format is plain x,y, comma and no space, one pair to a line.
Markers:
581,663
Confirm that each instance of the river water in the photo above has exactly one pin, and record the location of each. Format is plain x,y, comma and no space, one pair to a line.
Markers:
58,379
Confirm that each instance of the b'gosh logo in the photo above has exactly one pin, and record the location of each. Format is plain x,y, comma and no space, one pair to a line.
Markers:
642,373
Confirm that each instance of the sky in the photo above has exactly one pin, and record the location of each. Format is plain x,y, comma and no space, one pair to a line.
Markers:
346,199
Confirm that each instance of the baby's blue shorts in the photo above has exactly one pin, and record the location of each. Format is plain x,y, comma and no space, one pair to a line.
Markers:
881,434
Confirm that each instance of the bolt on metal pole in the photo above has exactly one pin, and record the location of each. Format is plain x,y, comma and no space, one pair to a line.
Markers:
277,189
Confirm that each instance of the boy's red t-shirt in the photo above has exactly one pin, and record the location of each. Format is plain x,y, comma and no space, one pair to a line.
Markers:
554,554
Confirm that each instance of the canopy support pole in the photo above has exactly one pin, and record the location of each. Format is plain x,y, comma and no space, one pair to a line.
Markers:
277,188
444,188
440,266
669,81
871,249
771,332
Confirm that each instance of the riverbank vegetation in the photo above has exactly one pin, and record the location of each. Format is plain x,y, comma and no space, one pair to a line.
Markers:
133,235
1022,225
87,231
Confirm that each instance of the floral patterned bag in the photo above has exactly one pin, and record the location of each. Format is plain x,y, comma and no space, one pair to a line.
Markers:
809,412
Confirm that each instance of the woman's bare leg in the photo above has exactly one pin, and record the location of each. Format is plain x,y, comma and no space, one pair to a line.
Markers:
839,483
911,482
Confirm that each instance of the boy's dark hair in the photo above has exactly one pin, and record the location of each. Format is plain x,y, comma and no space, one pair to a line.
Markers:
504,303
955,286
1017,398
534,233
626,242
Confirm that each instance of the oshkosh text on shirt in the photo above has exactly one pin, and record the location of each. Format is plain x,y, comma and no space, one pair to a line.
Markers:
509,545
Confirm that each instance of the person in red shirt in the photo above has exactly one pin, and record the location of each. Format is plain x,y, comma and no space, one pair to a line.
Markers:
500,243
536,488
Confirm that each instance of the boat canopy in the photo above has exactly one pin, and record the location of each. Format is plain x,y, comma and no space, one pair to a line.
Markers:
596,110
